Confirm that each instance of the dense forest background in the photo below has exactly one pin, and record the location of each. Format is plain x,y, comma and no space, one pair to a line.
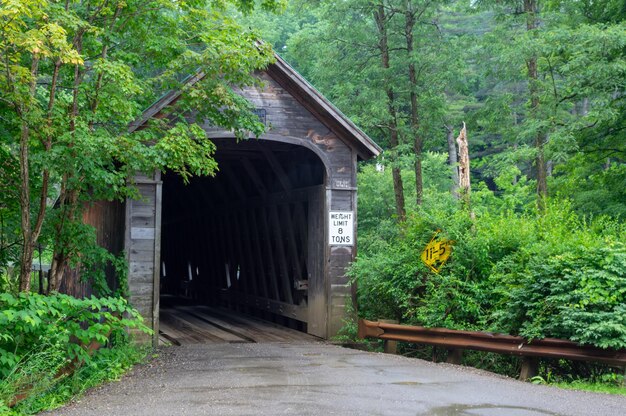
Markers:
539,235
539,83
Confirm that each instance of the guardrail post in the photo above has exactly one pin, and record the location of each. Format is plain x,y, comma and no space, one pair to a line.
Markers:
530,368
389,347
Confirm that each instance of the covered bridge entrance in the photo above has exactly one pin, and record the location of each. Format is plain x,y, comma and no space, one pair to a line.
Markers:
272,233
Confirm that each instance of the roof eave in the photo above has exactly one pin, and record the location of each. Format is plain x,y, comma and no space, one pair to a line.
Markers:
290,79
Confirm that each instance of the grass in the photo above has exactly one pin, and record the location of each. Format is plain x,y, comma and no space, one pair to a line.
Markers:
598,380
595,387
48,387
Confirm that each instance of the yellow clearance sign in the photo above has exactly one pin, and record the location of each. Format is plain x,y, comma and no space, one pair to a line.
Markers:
437,253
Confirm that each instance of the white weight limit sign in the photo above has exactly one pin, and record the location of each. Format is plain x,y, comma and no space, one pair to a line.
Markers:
341,228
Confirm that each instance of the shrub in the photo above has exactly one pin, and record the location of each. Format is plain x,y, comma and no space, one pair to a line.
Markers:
551,275
578,294
44,339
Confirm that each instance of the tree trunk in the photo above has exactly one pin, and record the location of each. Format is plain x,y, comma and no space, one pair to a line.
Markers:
530,8
61,255
453,161
464,164
26,260
398,188
417,138
464,167
68,197
30,237
60,262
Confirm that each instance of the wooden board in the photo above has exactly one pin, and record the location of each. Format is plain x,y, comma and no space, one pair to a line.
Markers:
201,324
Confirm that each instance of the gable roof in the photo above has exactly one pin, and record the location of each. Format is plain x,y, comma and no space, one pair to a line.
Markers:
294,83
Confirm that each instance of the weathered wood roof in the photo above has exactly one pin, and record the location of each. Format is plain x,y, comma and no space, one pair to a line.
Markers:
304,92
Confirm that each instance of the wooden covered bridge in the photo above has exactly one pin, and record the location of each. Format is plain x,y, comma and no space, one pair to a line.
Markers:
272,233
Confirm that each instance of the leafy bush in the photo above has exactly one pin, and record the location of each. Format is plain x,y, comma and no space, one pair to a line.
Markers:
28,321
550,275
579,294
44,339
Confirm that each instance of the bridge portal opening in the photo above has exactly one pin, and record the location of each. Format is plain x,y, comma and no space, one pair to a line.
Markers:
251,238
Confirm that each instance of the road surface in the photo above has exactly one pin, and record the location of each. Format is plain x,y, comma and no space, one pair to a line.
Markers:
320,379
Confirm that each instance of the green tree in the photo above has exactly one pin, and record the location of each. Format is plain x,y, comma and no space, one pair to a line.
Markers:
73,75
387,75
557,78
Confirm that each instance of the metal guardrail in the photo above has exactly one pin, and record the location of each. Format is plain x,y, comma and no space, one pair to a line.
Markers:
484,341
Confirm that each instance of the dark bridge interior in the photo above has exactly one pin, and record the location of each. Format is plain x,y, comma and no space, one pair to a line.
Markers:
244,238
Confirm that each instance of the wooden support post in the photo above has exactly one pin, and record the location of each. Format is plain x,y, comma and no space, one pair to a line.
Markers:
227,232
239,253
285,279
301,220
251,272
390,347
210,261
530,368
205,260
454,357
221,249
258,254
269,255
291,242
316,263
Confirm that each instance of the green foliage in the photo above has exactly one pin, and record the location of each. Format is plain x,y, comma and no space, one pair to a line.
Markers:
580,376
555,275
598,387
593,188
47,344
46,388
350,328
73,76
32,324
9,214
578,293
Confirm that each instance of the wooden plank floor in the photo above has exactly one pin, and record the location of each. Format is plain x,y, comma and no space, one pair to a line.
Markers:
181,325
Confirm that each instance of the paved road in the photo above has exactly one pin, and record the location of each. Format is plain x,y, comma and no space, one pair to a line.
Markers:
320,379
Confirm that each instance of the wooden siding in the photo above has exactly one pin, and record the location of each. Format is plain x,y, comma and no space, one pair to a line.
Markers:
142,236
107,217
287,117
